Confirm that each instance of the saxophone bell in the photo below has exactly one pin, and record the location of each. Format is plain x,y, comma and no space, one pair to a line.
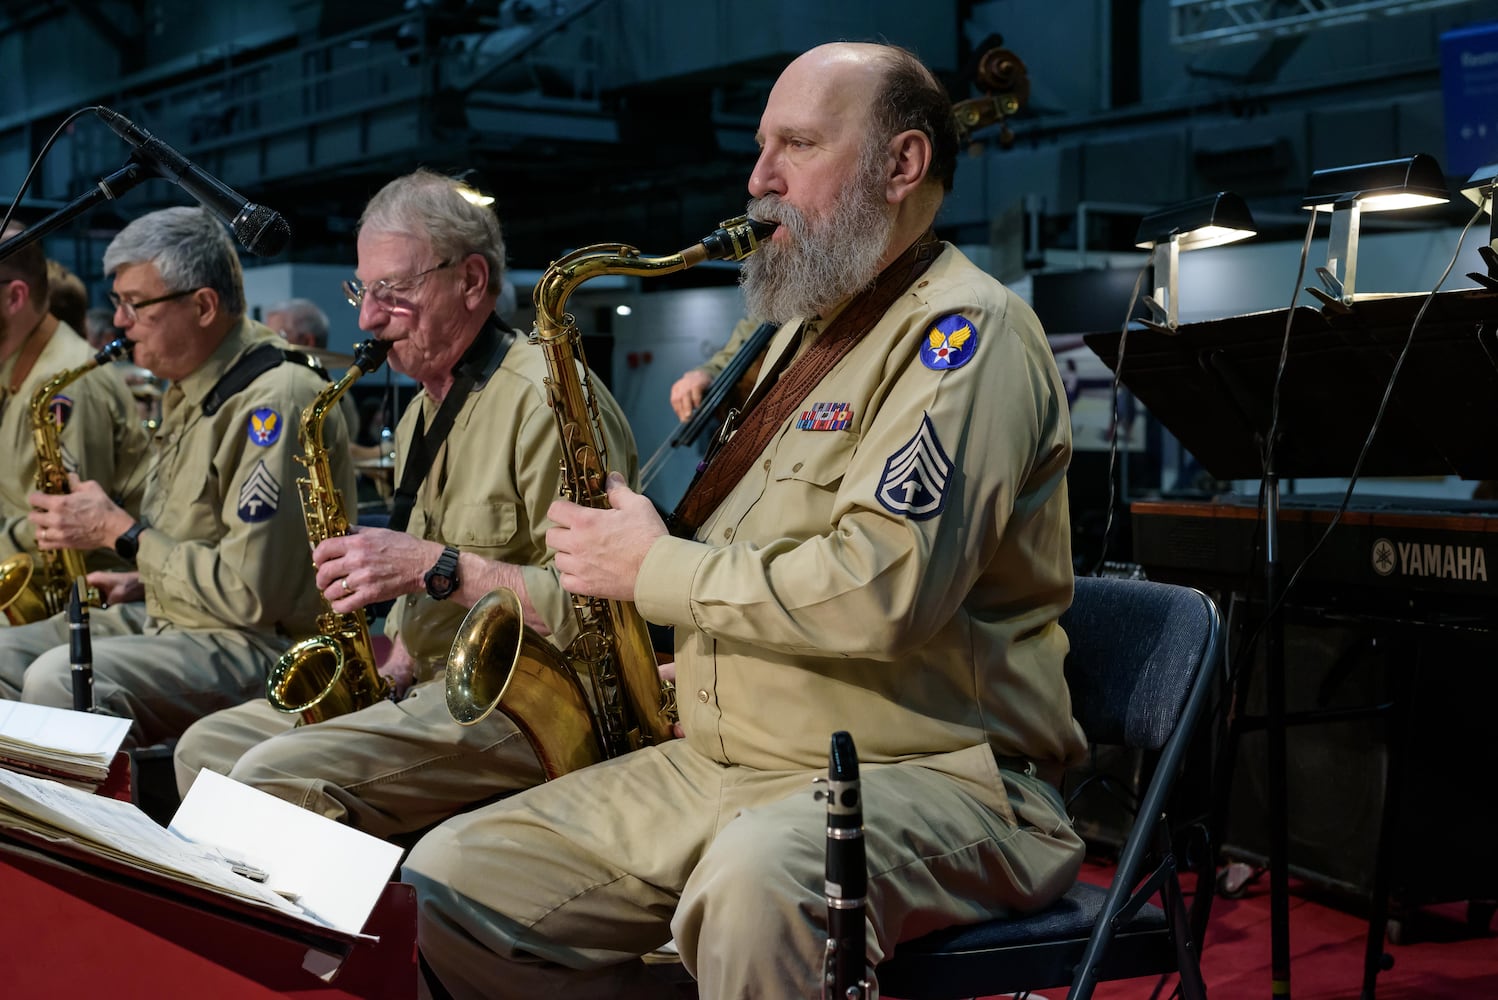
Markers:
498,662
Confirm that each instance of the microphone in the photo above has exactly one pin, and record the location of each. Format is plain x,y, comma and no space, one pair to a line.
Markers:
80,651
843,976
260,230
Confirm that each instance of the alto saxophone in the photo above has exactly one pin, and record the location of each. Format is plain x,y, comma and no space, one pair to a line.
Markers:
496,662
333,672
30,592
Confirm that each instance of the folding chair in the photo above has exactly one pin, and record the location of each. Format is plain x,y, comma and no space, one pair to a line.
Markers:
1140,669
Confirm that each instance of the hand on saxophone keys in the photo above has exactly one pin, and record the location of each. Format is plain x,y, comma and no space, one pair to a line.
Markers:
600,549
84,518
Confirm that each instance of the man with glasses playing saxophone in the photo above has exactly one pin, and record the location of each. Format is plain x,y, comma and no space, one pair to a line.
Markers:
97,433
430,266
222,582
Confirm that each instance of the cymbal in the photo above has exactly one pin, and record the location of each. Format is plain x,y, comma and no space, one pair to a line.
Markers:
336,362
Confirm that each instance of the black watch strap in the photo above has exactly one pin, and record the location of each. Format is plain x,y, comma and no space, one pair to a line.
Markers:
442,579
128,544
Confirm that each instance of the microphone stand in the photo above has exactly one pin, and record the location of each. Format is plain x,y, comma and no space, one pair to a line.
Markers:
106,189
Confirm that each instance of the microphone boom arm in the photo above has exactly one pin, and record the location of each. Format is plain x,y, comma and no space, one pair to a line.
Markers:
106,189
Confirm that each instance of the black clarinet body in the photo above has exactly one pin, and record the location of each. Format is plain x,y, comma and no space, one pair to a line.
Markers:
80,650
847,877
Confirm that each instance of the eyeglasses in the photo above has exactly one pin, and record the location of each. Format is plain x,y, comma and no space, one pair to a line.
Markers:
132,309
385,291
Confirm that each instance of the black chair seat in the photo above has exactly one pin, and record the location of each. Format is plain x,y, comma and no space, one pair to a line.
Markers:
1036,952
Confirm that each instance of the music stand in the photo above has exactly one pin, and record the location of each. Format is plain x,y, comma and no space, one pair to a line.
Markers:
1212,383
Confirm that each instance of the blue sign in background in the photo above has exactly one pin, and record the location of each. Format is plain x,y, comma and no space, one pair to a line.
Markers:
1469,88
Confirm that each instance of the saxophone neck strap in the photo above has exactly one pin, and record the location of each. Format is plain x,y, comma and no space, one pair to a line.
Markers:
31,349
781,393
251,366
474,368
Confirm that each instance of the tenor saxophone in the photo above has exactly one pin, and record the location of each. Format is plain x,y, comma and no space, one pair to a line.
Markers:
333,672
496,662
32,590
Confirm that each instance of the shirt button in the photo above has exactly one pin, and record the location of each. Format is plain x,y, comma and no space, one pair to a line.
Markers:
727,532
702,695
796,467
767,465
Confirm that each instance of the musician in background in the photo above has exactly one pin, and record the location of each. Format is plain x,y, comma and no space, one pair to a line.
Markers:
222,581
301,321
430,264
687,391
97,430
67,298
101,330
895,568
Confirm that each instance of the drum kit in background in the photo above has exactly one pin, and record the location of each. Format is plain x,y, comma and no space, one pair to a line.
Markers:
147,389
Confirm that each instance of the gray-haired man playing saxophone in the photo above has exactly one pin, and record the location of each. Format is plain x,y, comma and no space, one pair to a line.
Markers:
222,582
429,272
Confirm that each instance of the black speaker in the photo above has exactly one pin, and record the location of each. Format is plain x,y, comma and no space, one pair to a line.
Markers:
1338,770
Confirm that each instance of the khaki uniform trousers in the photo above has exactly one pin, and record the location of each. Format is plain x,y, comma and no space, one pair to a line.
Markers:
389,769
555,892
163,681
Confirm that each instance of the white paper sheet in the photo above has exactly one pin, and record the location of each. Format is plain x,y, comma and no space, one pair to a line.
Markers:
332,870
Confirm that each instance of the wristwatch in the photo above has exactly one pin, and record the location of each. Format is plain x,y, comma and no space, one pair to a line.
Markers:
442,579
128,544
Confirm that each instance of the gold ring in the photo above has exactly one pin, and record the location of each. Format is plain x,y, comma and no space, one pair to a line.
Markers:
346,588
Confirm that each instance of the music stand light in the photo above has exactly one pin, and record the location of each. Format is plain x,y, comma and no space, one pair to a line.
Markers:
1212,221
1347,192
1479,191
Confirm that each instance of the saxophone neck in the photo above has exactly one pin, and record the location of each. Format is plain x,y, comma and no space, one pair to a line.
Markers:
732,240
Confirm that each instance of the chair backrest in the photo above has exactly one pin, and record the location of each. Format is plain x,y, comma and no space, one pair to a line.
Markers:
1136,647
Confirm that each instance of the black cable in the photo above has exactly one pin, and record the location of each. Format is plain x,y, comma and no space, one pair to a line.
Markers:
1123,338
1378,417
26,182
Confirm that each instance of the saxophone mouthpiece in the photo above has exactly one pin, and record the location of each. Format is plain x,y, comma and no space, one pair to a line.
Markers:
370,354
737,238
122,347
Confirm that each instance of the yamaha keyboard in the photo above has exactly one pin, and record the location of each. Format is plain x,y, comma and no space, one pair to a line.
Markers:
1403,557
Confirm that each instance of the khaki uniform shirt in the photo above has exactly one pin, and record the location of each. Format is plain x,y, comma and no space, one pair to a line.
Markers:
897,568
102,438
226,545
740,333
487,493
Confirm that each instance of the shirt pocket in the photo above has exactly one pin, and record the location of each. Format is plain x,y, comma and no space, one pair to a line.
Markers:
477,527
815,458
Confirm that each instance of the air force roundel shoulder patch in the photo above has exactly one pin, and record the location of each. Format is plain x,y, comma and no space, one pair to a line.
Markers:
259,496
61,408
916,476
265,427
950,343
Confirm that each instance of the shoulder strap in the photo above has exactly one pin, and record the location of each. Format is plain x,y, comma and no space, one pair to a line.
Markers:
479,362
777,395
250,367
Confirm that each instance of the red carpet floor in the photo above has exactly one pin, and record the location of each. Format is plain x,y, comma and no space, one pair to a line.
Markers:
1443,961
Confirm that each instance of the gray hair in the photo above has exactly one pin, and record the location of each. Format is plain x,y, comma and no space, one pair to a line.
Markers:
429,206
304,316
190,249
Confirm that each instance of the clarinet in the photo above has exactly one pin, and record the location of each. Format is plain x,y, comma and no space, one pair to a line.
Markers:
80,651
843,975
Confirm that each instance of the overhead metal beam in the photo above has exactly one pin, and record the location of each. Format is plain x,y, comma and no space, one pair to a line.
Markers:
1203,23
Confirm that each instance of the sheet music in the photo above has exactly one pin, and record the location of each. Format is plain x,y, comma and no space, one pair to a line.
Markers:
334,871
77,743
121,832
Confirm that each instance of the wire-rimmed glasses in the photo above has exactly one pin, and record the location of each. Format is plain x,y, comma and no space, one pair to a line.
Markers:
385,292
